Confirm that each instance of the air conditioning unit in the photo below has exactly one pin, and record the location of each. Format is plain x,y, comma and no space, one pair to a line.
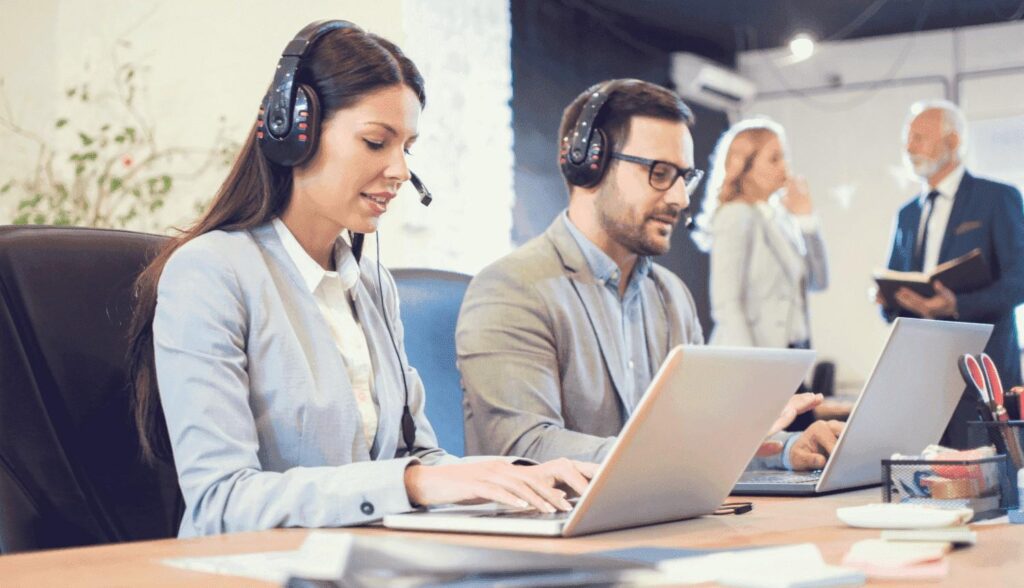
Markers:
709,83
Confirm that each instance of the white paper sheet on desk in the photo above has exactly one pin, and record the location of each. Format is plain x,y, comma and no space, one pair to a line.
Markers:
329,555
793,566
322,556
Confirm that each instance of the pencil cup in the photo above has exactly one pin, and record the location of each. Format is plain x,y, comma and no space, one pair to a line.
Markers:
981,484
1002,434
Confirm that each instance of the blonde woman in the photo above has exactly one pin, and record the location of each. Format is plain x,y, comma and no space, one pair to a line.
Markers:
765,244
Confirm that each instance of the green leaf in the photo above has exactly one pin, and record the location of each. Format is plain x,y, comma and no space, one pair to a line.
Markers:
30,202
115,183
86,139
71,92
21,219
167,183
61,122
6,187
39,219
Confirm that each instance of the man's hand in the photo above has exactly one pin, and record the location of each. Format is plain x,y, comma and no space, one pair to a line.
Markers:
942,305
812,448
499,481
798,404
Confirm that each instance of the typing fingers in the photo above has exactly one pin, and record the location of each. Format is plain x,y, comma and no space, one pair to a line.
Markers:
525,491
553,497
587,468
566,472
769,448
837,427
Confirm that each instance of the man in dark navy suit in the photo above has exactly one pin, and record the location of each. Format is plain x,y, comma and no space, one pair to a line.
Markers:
954,213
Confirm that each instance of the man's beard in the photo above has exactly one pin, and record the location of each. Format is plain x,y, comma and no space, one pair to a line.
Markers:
925,167
633,235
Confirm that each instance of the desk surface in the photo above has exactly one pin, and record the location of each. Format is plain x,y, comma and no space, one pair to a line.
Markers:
997,559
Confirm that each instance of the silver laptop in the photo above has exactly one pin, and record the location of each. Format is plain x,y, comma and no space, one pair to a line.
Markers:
905,406
683,448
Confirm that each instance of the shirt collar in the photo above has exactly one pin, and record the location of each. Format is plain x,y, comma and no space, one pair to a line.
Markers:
601,265
947,187
311,272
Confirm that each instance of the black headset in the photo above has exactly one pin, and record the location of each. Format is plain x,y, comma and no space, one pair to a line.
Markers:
288,125
288,132
583,155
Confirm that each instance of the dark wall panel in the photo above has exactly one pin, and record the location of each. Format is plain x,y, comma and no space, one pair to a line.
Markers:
557,52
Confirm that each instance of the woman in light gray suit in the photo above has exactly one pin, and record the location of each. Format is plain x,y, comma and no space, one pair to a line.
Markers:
765,244
267,355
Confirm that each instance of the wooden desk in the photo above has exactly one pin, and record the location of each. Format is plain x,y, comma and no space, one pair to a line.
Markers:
997,560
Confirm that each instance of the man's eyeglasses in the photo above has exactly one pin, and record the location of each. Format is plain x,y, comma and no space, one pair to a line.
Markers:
662,175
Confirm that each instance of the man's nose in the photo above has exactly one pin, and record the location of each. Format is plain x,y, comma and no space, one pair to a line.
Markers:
678,195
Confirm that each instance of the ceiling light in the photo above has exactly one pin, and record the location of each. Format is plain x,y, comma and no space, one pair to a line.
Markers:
801,46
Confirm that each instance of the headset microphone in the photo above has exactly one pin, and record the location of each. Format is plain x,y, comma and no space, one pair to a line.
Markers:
425,196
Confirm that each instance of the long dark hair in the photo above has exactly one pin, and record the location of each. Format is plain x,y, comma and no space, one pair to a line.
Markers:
344,66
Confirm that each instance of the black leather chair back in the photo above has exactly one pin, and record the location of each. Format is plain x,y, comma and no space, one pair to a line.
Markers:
430,302
70,466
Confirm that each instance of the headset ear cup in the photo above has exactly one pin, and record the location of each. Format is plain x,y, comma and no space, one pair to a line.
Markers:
597,158
306,95
588,172
300,143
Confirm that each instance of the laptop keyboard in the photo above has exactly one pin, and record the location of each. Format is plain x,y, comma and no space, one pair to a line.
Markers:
780,477
529,514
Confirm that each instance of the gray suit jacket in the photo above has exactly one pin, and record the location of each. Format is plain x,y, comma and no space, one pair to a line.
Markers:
539,361
262,420
760,276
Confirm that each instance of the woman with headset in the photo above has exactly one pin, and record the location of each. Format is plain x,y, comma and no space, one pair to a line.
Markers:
765,244
267,356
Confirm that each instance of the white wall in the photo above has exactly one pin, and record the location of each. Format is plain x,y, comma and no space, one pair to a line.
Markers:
208,59
843,110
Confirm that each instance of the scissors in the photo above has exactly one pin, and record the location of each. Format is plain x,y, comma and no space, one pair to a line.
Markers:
974,376
995,386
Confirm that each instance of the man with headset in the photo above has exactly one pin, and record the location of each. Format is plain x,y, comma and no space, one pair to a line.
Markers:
536,384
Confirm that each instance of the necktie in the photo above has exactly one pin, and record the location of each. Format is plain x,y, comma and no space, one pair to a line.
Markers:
918,260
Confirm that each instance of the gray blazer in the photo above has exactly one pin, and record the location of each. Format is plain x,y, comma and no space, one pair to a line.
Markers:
540,363
262,420
760,276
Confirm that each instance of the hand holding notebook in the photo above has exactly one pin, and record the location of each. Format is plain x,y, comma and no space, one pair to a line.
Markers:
963,274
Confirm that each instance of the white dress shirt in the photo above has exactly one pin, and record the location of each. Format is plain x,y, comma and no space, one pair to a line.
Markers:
333,291
940,217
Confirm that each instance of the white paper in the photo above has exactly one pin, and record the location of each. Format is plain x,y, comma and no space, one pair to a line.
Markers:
322,556
787,566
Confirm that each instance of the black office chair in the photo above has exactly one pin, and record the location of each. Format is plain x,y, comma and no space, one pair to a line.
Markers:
70,468
430,301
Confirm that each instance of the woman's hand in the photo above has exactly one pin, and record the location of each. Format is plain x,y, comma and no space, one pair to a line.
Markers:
499,481
798,198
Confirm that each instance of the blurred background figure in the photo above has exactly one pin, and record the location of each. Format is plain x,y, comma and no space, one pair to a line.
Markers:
953,213
765,243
